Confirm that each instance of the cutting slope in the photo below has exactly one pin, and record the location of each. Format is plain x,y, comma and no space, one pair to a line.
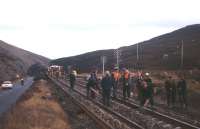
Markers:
14,61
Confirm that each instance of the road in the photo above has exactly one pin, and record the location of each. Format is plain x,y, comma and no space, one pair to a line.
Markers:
8,97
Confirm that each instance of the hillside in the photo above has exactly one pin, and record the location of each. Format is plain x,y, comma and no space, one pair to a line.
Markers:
14,61
162,52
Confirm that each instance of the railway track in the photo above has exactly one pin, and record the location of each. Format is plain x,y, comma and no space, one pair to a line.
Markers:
129,116
126,123
163,117
100,123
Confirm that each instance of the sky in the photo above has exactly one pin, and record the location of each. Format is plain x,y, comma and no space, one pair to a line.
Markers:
62,28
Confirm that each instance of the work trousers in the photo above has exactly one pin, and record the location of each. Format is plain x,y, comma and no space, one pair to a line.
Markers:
126,91
106,97
72,83
183,99
115,85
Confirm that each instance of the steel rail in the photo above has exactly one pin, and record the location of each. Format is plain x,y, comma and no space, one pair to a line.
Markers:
175,121
122,118
101,123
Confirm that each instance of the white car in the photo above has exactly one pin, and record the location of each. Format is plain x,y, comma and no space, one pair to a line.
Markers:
7,84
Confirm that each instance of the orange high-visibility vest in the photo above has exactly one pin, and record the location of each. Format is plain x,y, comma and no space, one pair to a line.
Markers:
116,75
126,75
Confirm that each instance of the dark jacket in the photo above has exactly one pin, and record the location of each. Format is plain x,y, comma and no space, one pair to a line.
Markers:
106,83
170,86
174,89
149,89
92,82
167,86
182,86
72,78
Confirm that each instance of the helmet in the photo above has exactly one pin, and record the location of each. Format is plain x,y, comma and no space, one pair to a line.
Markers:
126,71
108,73
74,72
147,74
115,68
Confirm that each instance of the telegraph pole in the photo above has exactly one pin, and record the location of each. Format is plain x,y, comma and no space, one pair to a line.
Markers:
137,53
117,58
103,59
117,53
182,54
138,62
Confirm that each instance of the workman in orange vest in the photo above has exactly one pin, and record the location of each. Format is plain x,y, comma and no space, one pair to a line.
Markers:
115,80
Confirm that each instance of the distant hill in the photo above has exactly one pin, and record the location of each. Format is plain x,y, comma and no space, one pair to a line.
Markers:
14,61
162,52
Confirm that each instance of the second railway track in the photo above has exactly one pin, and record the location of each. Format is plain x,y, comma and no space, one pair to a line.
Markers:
178,123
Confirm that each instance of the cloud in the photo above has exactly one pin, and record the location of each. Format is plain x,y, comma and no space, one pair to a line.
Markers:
68,27
83,27
10,27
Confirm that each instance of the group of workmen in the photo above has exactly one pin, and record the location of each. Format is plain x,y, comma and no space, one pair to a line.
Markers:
176,89
112,83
